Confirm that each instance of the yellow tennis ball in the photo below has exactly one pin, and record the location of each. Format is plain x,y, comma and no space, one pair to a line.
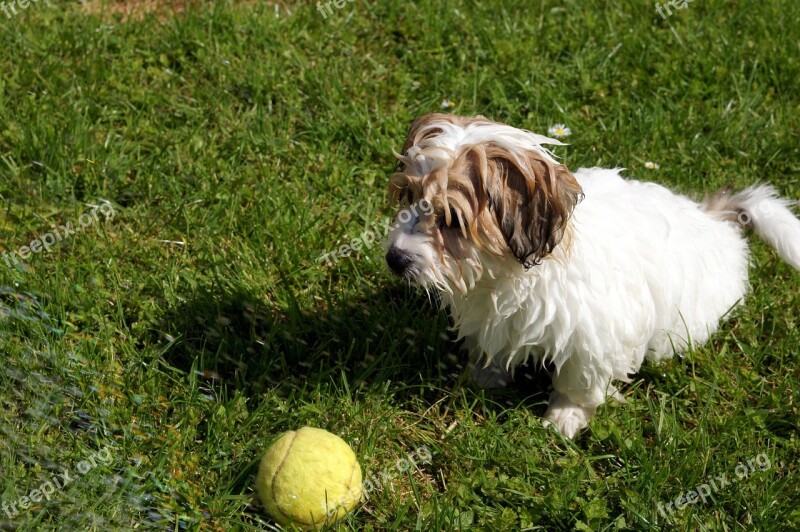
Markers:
309,477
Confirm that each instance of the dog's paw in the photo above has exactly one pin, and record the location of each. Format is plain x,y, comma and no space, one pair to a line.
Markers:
566,416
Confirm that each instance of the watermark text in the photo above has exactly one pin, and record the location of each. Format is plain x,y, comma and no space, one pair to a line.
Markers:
58,234
704,491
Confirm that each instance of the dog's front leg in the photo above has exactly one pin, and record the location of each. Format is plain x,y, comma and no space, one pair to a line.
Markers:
568,417
577,393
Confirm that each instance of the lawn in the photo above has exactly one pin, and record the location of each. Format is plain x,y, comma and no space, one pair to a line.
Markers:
181,174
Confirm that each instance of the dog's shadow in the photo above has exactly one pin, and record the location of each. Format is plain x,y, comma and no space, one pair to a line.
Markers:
232,339
240,341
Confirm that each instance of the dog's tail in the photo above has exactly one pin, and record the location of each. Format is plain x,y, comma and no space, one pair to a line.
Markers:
766,212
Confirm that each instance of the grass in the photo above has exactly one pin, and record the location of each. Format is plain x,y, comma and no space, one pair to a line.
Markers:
238,142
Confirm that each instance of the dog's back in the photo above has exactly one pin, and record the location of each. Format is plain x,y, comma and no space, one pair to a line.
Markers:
691,265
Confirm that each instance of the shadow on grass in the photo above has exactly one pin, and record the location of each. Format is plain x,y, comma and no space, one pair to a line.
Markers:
254,346
394,334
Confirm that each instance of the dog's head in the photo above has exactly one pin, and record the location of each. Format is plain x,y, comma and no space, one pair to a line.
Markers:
475,195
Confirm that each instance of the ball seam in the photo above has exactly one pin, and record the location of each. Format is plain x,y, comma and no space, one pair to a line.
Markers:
288,517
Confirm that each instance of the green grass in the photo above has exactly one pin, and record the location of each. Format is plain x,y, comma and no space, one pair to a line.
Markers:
237,143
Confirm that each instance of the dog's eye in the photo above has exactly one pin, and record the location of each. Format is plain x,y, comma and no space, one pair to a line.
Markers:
455,221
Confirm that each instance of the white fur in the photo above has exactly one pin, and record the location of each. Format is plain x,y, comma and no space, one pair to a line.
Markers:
646,272
773,221
437,151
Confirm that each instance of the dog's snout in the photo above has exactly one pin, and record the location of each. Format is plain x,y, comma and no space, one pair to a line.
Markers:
398,260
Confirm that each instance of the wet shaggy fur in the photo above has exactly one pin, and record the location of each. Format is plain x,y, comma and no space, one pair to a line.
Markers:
589,271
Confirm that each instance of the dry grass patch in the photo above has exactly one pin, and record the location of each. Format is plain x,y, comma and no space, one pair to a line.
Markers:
137,9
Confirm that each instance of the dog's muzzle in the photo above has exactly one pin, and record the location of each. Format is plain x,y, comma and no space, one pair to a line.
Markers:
398,260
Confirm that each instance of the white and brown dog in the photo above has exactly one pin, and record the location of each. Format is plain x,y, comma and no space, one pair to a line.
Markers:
588,272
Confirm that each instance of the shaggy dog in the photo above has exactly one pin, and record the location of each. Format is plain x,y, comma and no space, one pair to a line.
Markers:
586,271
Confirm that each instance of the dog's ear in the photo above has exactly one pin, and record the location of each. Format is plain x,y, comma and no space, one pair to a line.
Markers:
532,199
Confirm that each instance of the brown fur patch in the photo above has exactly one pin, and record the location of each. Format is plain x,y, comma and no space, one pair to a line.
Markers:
724,204
489,198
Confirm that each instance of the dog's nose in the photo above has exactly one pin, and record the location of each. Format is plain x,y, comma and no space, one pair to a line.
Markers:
398,260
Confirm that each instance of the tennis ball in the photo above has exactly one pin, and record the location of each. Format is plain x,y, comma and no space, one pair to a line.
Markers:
308,478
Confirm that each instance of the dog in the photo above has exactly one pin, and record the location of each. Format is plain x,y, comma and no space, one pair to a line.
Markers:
587,272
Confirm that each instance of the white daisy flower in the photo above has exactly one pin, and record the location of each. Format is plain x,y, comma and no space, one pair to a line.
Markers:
650,165
446,104
559,130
